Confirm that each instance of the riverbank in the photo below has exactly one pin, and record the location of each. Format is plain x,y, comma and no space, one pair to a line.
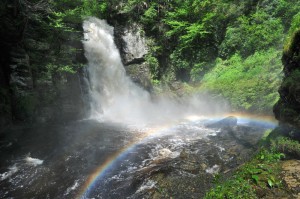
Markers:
274,172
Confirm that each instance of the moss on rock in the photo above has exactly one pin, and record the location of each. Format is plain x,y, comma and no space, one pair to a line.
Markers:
287,109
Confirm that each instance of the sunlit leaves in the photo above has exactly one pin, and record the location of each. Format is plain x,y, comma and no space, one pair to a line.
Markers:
249,84
249,34
177,27
150,14
192,32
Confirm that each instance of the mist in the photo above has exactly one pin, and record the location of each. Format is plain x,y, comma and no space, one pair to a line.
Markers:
113,95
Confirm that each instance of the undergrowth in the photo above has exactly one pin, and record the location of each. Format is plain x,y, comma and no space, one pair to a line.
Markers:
249,84
261,174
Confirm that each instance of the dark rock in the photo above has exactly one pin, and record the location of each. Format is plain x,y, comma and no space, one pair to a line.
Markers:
191,173
226,122
140,74
287,109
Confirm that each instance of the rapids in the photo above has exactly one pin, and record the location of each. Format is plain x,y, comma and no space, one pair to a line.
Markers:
92,159
130,146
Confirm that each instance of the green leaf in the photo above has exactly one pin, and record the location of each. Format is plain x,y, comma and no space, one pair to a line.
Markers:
270,183
255,178
176,27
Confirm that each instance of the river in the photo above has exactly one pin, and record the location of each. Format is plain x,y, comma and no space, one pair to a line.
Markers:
129,146
92,159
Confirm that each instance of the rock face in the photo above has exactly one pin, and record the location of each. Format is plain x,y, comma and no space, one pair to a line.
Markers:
21,83
36,99
134,44
133,47
32,89
287,109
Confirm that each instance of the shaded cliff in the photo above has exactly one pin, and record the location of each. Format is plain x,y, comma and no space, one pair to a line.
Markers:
287,109
40,73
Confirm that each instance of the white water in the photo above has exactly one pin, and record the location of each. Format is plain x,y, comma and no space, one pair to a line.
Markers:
33,161
12,170
113,94
115,97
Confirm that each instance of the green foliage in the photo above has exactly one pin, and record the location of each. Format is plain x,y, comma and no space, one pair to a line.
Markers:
262,171
153,65
131,6
226,46
176,27
249,34
63,24
178,62
295,23
62,68
286,145
232,189
193,25
150,15
283,9
290,39
193,31
199,70
192,34
249,84
67,14
94,8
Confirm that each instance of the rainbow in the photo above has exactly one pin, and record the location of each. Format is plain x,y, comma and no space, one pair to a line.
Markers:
106,166
99,172
90,183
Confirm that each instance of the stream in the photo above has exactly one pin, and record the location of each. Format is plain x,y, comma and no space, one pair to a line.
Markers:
131,146
92,159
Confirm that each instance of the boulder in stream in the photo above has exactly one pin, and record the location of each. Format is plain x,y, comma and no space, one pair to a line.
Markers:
226,122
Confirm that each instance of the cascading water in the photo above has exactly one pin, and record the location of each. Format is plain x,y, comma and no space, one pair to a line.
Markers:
91,159
113,94
115,97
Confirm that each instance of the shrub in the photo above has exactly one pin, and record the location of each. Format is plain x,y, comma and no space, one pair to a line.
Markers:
249,84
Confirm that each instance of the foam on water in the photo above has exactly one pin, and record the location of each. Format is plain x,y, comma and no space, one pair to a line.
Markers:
114,97
72,188
33,161
149,184
11,170
213,170
174,146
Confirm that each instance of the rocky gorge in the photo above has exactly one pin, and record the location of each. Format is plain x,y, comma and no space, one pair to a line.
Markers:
46,92
34,90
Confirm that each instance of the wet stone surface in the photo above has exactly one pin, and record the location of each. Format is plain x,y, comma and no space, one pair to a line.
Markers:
191,174
178,161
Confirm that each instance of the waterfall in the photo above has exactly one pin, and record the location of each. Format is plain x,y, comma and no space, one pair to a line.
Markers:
113,95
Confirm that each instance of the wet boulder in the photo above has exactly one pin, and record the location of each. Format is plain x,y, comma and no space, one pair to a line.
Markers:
226,122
